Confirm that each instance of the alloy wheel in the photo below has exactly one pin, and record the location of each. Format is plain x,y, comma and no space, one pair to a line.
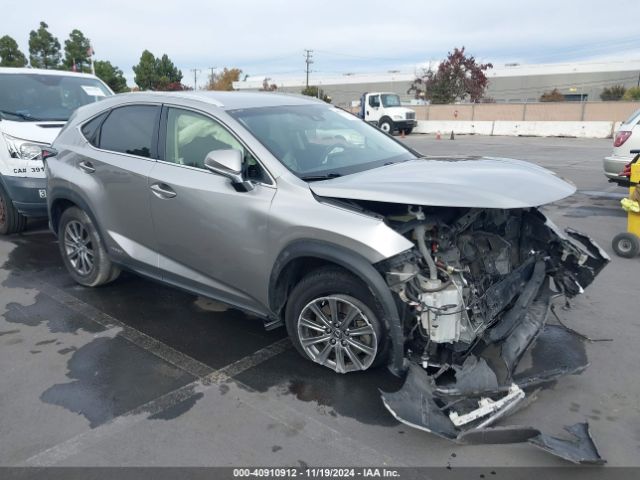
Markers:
336,333
78,247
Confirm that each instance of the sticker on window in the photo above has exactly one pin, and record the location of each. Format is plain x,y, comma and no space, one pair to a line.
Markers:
92,91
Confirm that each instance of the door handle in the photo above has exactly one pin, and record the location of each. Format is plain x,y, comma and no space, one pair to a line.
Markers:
86,166
162,190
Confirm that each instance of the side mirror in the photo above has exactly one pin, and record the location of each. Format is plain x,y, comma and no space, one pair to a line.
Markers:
228,163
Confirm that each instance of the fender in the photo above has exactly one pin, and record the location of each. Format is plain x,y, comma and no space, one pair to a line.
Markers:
359,266
63,193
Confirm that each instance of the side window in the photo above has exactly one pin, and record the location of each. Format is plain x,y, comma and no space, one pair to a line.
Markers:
91,129
191,136
130,129
374,101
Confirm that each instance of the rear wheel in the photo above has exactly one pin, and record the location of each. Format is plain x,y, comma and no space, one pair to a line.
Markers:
626,245
11,220
82,250
407,131
333,320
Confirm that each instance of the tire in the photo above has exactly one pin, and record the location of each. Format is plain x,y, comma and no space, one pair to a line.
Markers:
341,348
408,131
386,126
91,265
11,220
626,245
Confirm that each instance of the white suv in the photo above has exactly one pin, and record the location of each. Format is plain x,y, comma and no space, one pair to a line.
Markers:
34,106
627,138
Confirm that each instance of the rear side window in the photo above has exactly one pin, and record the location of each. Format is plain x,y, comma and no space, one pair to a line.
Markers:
130,130
91,129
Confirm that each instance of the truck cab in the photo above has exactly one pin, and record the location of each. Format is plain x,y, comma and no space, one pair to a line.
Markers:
34,106
384,110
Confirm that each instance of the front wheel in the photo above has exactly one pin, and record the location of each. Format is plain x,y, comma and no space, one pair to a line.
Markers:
386,126
82,250
11,220
333,320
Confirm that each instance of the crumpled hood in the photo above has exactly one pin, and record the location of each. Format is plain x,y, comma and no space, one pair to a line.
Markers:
482,182
39,132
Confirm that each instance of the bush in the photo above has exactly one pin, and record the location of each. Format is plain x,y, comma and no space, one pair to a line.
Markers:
613,94
633,94
552,96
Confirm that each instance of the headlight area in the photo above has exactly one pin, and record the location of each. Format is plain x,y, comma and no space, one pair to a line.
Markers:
398,117
23,149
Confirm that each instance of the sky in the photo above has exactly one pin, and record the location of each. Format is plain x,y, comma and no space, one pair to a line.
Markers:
268,37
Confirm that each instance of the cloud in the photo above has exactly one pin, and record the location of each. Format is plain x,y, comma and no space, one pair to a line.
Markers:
269,37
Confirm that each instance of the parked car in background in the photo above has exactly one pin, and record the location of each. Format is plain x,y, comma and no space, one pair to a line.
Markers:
312,219
626,138
34,106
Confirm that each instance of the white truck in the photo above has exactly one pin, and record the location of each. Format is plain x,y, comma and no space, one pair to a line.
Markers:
384,110
34,106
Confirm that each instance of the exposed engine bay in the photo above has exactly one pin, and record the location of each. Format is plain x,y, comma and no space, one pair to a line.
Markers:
475,294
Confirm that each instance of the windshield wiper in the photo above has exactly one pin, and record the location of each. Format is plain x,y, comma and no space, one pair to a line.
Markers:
328,176
23,116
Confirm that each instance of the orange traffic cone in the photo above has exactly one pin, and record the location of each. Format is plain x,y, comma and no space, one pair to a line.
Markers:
401,133
438,135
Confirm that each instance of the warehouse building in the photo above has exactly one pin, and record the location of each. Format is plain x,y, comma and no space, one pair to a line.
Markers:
510,83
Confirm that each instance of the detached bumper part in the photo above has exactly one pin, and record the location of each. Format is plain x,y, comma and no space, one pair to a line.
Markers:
418,405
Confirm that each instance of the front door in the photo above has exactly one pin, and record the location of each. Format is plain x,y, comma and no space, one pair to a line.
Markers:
210,236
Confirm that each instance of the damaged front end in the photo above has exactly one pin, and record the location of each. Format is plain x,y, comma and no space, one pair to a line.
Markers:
476,293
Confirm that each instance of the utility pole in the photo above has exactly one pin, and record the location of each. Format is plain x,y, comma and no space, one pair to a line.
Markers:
308,54
195,78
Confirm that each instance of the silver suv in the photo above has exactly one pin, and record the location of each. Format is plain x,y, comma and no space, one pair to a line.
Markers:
305,215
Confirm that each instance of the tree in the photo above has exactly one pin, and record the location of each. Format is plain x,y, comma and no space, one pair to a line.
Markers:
613,93
77,50
146,76
313,91
266,86
224,80
10,54
111,75
552,96
44,48
157,73
632,94
167,74
458,76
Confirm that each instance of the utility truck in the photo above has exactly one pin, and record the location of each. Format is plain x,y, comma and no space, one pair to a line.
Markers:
384,110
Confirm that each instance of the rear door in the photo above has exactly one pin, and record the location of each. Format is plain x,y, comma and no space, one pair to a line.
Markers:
210,237
115,173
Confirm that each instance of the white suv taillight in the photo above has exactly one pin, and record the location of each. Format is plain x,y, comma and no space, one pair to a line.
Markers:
621,137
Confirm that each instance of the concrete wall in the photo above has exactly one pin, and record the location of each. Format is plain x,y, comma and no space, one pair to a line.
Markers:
592,129
548,111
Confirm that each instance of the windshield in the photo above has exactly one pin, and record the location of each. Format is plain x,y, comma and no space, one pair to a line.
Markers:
315,141
390,100
32,97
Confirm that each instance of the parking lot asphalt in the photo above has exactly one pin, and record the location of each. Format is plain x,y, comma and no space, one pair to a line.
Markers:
136,373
